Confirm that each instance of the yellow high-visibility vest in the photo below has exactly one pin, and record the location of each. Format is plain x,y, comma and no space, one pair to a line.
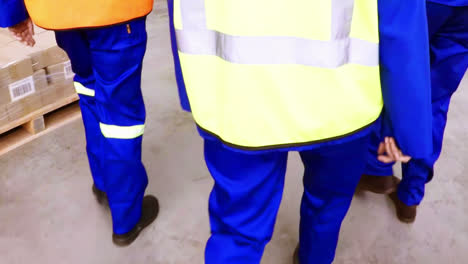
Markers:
71,14
263,74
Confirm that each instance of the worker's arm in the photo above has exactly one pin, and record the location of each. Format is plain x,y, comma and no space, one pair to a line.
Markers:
12,12
405,73
13,15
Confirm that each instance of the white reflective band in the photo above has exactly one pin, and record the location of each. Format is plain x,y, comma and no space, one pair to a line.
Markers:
278,50
122,132
80,89
342,15
341,49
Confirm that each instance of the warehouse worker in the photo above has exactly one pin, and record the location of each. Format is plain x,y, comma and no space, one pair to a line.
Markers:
448,29
264,78
106,43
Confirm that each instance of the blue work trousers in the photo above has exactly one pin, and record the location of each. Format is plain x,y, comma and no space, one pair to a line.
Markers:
108,63
448,29
248,188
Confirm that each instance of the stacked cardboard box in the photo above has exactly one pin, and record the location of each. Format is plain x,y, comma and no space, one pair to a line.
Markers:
59,75
29,82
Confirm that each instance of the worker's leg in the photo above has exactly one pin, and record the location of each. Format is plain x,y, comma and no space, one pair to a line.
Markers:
330,179
449,47
418,172
77,48
243,203
117,54
438,15
449,62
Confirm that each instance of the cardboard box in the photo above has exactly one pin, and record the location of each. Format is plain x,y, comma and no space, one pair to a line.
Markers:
48,57
16,109
60,82
45,40
5,37
16,50
54,93
44,95
60,74
40,80
16,81
24,85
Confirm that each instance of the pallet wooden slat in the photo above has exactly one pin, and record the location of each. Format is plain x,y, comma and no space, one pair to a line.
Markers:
44,110
38,123
35,126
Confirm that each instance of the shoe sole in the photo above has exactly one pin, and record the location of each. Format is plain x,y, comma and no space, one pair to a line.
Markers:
406,220
134,236
127,242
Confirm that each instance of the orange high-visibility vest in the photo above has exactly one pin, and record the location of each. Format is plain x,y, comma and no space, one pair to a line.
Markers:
71,14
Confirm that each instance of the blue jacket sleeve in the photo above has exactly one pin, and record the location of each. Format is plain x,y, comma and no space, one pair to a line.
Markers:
405,74
183,97
12,12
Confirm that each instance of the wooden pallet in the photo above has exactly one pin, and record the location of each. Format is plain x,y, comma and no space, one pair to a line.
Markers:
38,123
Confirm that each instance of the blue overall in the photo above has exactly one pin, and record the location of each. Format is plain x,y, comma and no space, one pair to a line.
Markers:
108,63
248,184
248,191
448,29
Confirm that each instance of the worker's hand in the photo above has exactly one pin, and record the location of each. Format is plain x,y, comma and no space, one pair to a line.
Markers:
389,152
24,32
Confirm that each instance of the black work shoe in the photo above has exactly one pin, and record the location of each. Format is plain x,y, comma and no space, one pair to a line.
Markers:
379,184
405,213
149,212
101,196
296,255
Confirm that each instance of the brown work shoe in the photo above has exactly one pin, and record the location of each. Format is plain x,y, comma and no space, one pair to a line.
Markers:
379,184
101,196
296,255
405,213
149,212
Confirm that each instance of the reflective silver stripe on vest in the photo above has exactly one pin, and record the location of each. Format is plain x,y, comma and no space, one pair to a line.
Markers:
196,39
342,16
193,14
278,50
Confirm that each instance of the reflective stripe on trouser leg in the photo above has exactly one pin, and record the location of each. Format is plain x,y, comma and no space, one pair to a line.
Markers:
243,203
122,115
81,89
328,191
122,132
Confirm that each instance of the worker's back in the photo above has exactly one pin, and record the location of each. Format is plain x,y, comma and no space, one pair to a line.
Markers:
297,72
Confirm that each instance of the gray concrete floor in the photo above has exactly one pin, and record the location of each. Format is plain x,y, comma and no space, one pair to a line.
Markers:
48,214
